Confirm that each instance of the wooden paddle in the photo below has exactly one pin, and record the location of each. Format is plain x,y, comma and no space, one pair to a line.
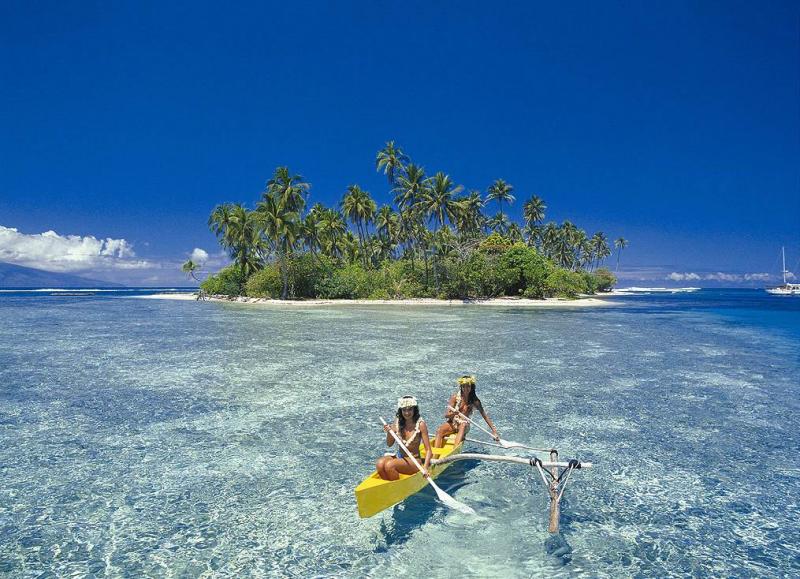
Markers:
443,496
503,443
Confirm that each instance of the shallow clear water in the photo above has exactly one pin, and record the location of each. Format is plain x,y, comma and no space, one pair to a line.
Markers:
165,438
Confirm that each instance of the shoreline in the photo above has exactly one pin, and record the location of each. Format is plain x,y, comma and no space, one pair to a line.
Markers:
504,301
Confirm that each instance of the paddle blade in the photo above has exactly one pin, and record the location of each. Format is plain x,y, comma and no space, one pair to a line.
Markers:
510,444
450,501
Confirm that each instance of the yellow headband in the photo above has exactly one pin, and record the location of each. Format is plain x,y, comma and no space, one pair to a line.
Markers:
466,381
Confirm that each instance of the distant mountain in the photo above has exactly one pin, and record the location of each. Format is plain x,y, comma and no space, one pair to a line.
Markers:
16,276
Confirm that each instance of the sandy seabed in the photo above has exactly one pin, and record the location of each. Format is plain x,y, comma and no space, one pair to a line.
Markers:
505,302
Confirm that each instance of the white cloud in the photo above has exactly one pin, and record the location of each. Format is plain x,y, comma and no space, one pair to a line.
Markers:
199,256
675,276
757,277
790,275
720,276
71,253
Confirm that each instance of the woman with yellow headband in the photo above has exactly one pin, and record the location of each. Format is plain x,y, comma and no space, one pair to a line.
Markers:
465,400
412,430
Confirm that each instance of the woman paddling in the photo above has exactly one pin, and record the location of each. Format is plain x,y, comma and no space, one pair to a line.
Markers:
465,400
412,430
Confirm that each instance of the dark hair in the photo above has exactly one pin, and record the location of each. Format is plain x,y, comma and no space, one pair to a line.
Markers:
473,397
401,421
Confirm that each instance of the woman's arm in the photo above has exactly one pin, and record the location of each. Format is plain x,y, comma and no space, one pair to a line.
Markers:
488,420
448,414
426,440
389,437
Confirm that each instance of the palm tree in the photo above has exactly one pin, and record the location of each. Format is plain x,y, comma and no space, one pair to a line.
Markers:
564,250
290,190
533,213
333,229
500,191
190,267
498,223
385,219
391,160
281,226
310,230
533,210
550,235
350,246
469,217
600,249
409,186
620,243
387,226
581,250
513,232
239,233
585,252
438,201
359,207
220,220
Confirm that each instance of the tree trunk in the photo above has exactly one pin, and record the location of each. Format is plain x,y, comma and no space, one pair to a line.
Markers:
361,244
285,276
425,255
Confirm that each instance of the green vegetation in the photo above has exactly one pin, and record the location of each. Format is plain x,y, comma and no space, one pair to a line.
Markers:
432,241
190,267
229,281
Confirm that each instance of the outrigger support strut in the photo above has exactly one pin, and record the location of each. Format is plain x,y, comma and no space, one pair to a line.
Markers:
558,472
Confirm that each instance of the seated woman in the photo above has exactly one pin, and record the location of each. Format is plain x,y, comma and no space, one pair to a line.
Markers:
465,400
412,430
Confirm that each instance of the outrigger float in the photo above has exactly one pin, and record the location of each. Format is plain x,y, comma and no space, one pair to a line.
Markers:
375,494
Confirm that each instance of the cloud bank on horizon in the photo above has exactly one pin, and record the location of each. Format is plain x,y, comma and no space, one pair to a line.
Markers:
109,259
67,253
720,276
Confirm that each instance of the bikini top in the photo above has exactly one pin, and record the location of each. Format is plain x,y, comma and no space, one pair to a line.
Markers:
456,418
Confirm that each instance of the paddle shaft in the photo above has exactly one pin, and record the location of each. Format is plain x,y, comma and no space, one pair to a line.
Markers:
503,443
405,449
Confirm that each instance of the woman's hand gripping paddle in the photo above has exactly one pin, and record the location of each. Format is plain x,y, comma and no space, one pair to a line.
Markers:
443,496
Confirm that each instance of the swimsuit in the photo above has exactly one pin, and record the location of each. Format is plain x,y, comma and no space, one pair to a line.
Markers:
455,420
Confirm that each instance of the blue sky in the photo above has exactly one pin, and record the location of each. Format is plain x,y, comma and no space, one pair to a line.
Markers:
673,124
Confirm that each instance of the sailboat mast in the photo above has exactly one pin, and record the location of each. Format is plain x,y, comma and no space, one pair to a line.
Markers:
783,253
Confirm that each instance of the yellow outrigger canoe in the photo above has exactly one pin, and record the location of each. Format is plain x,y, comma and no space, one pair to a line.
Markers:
374,494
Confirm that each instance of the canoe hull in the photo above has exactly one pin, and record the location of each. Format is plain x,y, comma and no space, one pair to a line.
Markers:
374,494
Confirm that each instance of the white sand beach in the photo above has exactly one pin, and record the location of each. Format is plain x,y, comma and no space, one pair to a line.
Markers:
501,301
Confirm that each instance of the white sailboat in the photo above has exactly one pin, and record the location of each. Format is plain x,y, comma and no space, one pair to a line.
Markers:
787,289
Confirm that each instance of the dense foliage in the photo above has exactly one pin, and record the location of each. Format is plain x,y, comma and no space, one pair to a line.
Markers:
433,241
229,281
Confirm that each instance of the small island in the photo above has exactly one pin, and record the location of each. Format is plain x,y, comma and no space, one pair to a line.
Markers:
433,244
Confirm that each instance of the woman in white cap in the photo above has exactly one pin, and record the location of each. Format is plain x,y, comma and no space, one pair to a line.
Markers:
412,430
465,400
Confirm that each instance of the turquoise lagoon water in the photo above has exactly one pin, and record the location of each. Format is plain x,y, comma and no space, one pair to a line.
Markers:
182,439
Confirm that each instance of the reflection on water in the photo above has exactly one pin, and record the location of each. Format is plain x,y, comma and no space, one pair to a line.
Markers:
141,437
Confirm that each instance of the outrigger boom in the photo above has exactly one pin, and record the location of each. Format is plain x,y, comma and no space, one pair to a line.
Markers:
514,459
558,471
